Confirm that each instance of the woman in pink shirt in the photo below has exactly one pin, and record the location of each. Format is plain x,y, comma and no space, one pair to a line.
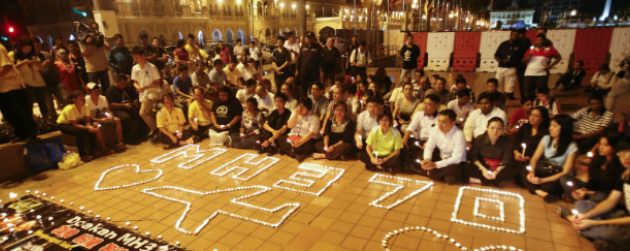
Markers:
539,61
67,71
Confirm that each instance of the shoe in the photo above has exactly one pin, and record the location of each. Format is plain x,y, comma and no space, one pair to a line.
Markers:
604,245
272,151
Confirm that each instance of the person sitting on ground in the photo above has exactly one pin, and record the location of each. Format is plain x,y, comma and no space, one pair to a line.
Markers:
604,222
444,154
300,142
490,157
604,171
226,112
363,101
199,115
441,92
170,122
124,104
320,103
397,92
252,123
543,99
553,159
601,82
248,70
367,120
244,94
200,78
265,99
528,137
100,113
339,96
462,106
337,140
572,78
592,121
492,89
417,133
217,76
425,87
460,85
75,120
477,121
382,152
291,102
275,126
521,115
182,84
405,106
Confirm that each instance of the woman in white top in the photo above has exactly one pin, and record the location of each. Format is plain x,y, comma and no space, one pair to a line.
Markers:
100,113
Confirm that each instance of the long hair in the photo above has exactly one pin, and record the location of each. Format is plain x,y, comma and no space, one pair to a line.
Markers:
624,145
24,41
566,133
544,125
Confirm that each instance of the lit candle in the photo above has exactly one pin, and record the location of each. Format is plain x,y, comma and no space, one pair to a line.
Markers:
108,115
376,155
98,125
589,154
517,127
461,119
529,168
417,144
575,211
325,148
196,119
524,147
570,184
13,196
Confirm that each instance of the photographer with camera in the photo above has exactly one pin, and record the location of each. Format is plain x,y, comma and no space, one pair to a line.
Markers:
93,47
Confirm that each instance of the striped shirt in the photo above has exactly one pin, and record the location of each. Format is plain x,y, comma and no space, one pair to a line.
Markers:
588,123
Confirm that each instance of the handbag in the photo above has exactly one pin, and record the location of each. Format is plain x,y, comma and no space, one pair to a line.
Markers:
218,138
70,160
44,155
546,168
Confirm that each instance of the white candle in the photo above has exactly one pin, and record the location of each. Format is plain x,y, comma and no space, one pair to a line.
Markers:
376,155
524,147
13,196
529,168
575,211
517,127
589,154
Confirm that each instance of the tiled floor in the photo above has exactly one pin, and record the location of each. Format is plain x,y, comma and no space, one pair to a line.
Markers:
341,218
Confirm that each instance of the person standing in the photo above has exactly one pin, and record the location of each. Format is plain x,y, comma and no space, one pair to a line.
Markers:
354,44
331,62
509,54
359,60
538,64
96,66
309,63
622,82
148,82
239,50
409,53
524,43
156,55
280,60
120,58
294,48
13,101
225,53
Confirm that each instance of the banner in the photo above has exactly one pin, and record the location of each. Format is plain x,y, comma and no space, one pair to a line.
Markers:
30,223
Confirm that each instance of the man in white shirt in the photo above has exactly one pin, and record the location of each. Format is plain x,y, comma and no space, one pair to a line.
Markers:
360,59
445,152
265,100
239,50
462,106
247,70
418,131
294,48
300,142
243,94
367,120
146,78
254,53
477,120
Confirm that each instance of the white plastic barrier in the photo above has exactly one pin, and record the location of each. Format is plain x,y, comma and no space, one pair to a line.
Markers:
620,41
440,46
563,41
490,41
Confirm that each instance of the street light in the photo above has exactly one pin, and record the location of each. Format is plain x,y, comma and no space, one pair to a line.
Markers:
281,4
293,6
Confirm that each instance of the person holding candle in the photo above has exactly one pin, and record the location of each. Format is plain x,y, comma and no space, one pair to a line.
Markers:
100,113
490,156
200,114
604,222
275,126
367,120
527,138
553,159
75,120
300,142
251,125
170,121
521,115
462,106
445,152
478,119
383,146
604,171
226,112
338,134
418,132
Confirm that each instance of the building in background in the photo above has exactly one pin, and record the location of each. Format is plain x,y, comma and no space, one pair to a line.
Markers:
512,19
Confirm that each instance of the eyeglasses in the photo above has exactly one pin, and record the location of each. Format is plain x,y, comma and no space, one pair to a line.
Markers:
625,154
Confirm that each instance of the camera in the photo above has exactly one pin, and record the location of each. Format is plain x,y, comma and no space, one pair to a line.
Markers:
87,35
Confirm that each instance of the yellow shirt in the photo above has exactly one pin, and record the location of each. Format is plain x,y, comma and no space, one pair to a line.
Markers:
194,51
194,111
71,113
232,75
12,80
170,121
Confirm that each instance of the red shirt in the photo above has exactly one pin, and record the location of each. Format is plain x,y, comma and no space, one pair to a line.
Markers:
68,75
519,117
225,55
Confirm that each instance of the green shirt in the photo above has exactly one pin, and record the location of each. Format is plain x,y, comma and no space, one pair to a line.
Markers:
384,145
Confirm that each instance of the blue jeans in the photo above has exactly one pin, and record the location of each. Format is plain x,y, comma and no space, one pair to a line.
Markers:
617,234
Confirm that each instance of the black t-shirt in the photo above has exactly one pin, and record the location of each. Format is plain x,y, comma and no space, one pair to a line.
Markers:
330,60
410,56
280,56
276,120
623,186
343,132
159,52
524,135
226,111
115,95
603,180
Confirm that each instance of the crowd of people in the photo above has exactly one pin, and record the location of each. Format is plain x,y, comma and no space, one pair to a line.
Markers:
322,106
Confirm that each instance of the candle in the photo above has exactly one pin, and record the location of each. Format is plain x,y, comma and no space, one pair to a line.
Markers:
575,211
589,154
325,148
376,155
461,119
524,147
108,115
13,196
98,125
417,143
517,127
570,184
529,168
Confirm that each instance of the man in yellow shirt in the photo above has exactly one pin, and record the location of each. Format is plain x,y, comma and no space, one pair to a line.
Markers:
170,122
199,115
194,52
13,102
